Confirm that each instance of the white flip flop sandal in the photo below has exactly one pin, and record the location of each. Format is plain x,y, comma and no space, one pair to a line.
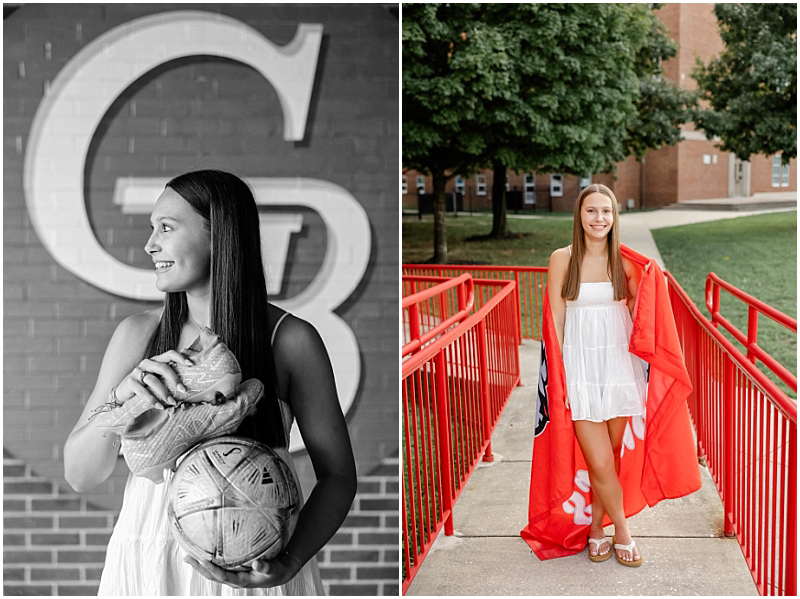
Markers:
600,557
629,548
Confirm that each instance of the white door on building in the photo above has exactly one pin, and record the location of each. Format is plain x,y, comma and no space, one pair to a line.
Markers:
530,190
739,178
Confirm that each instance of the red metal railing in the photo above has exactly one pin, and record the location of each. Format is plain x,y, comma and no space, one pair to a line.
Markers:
530,281
750,341
454,390
430,311
747,431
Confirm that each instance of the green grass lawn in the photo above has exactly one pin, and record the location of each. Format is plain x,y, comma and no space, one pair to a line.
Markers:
534,249
757,254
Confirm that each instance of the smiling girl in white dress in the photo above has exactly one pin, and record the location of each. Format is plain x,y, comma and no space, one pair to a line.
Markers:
205,247
592,290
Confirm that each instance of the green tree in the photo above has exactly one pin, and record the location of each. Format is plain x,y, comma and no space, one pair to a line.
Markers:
446,84
563,88
637,111
573,86
750,90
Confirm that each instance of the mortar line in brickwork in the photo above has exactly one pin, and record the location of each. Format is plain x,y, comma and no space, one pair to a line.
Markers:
378,495
29,476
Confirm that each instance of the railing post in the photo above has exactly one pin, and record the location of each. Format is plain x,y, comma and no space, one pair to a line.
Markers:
699,391
483,370
518,311
442,307
461,292
729,449
752,332
791,520
445,453
413,322
712,300
406,542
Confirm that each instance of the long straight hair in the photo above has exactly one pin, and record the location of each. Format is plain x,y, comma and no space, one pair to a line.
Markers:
238,290
572,282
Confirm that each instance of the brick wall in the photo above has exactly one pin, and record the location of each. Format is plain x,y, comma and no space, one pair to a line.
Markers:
670,15
699,38
55,541
761,175
195,113
364,556
661,176
698,180
626,183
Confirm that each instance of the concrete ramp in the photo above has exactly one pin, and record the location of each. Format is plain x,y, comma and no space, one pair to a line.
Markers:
680,540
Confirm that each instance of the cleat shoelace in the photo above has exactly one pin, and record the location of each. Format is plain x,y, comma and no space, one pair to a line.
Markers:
214,404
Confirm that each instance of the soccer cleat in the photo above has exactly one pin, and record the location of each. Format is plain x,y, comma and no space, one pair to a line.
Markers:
214,404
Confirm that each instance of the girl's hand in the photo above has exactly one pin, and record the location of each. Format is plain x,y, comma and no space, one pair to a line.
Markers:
265,574
566,400
142,381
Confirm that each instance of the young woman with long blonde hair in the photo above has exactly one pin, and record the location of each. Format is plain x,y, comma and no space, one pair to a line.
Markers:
592,289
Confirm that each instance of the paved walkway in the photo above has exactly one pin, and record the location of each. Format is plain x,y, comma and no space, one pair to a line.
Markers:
680,540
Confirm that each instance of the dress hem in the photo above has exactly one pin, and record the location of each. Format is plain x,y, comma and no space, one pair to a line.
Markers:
607,419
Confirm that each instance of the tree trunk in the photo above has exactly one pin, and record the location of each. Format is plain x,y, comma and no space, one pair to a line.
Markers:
499,228
439,225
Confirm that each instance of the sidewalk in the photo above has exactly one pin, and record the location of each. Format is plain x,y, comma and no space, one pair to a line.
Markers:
635,227
679,540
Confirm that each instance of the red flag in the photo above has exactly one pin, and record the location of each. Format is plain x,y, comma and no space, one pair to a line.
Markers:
659,459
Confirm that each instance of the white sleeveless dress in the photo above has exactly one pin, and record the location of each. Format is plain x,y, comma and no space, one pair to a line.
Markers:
604,380
143,558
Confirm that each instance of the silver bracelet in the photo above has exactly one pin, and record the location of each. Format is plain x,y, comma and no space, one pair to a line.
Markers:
294,558
112,403
117,402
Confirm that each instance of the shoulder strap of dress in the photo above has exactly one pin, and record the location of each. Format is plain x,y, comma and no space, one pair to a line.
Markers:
569,247
277,324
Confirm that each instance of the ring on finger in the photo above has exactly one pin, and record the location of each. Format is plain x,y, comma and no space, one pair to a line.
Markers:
141,376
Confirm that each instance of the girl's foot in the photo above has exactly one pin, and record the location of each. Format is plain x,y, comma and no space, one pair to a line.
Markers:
601,549
627,553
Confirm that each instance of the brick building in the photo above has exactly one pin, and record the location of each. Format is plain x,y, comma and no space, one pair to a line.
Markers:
693,169
103,103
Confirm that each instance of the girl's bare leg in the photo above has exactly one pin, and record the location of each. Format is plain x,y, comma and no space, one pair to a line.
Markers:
603,463
616,429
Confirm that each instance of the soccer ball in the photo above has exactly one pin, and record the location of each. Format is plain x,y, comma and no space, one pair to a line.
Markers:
232,500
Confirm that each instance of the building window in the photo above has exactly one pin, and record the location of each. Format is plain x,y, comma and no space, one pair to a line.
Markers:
405,185
420,185
556,185
780,172
508,183
585,181
460,185
530,189
480,185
